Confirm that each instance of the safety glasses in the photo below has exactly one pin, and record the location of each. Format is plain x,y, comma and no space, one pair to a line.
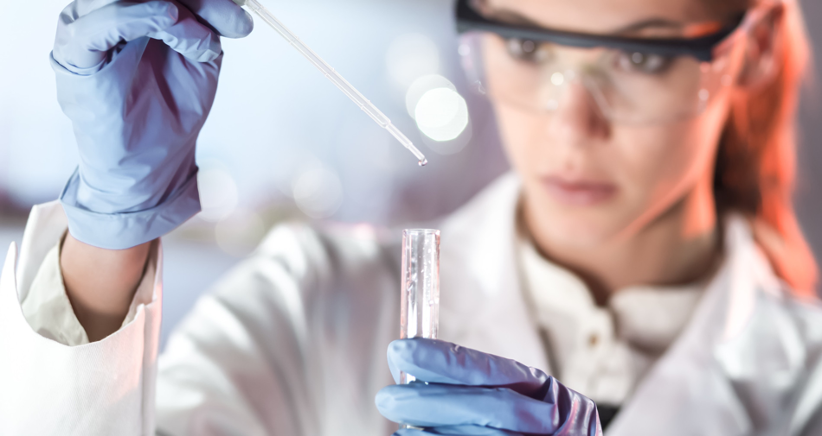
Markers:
633,80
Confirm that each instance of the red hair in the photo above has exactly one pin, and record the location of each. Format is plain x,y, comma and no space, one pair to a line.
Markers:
756,164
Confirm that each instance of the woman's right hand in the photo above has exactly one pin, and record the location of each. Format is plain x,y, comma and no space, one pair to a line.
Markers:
137,79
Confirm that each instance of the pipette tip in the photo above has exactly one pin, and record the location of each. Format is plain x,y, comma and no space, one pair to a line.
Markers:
423,162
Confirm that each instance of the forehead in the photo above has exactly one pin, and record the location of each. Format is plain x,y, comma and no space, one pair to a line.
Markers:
603,16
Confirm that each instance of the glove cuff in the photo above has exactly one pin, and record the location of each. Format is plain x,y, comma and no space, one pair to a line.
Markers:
119,231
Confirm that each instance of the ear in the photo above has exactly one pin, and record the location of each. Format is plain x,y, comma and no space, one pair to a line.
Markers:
762,52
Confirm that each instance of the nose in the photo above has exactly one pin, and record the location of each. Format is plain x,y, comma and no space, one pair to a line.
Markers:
578,118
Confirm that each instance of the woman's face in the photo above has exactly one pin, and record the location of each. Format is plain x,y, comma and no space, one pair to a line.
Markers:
586,179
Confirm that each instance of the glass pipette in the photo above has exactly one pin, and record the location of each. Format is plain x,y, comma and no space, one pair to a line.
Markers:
333,76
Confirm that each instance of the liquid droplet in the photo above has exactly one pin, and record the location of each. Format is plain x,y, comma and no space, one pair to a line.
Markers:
423,162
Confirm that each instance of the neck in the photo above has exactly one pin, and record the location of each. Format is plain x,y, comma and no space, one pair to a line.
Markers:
679,246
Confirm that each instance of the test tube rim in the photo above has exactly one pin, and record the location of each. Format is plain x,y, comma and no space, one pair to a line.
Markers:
423,231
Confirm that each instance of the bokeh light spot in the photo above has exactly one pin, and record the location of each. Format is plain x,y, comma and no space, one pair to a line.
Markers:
420,87
441,114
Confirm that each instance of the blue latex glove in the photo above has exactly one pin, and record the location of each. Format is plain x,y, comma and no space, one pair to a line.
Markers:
473,393
138,79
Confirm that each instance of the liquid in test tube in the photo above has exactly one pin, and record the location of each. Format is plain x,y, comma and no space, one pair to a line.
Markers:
420,294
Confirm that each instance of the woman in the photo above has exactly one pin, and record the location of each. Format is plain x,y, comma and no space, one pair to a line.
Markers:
652,146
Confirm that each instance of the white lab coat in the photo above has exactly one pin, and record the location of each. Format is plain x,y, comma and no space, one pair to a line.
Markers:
293,340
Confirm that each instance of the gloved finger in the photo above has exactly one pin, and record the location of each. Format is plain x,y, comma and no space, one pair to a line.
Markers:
84,42
459,430
190,38
84,7
223,16
438,405
443,362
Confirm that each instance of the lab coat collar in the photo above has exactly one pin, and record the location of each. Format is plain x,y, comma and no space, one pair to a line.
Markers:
740,355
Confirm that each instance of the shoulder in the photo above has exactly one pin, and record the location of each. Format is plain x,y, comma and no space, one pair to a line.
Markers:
361,260
757,312
753,265
807,409
343,248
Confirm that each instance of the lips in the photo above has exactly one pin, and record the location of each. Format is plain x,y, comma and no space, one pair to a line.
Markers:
578,192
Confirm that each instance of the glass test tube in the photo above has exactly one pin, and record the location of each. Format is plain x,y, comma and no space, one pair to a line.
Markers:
420,297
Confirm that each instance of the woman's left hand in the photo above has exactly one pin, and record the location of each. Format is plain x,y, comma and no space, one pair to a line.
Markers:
473,393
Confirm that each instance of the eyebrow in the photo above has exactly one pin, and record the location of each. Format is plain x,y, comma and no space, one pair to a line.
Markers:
512,17
650,23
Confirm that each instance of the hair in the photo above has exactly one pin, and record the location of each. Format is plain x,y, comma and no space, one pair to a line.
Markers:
756,163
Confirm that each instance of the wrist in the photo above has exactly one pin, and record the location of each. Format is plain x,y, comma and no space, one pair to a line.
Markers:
100,283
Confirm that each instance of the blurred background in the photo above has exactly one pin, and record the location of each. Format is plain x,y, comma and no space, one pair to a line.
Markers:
283,143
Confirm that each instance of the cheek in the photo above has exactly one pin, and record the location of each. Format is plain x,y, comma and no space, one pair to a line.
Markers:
657,167
661,165
525,139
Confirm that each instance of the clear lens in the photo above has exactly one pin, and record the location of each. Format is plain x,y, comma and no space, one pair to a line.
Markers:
627,87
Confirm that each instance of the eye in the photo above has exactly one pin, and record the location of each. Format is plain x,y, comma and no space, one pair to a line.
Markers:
644,62
523,49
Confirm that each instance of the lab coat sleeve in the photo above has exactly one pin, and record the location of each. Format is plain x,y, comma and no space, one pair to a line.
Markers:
238,363
49,388
48,309
290,342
